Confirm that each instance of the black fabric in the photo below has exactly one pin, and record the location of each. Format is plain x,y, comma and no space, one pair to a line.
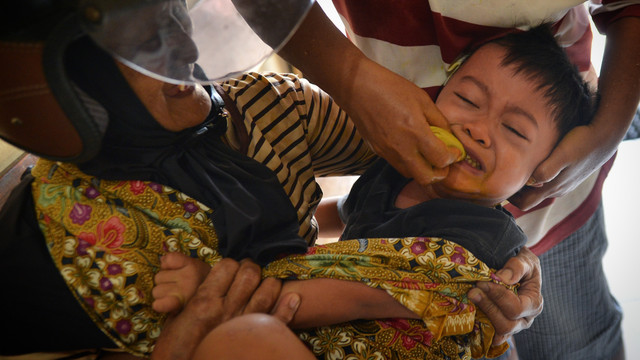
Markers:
491,234
39,313
252,214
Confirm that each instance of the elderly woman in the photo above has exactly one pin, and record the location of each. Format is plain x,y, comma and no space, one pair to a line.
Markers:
221,171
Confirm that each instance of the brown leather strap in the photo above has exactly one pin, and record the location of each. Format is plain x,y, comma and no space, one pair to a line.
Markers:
239,129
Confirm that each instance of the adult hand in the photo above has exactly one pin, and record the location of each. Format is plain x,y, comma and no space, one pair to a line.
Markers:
390,112
510,313
394,116
586,148
229,290
582,151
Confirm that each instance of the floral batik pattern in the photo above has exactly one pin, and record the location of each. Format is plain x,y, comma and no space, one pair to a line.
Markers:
107,237
430,276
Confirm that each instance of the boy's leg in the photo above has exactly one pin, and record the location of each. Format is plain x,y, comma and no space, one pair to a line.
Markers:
253,336
581,319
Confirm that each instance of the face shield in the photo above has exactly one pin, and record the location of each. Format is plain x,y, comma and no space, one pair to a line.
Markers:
46,113
164,38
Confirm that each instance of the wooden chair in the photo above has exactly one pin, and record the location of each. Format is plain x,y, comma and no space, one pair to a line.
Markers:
10,177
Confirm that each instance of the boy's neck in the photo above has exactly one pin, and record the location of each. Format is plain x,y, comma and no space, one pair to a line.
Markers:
413,194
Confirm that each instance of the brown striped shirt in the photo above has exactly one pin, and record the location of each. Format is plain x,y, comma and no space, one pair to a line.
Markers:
297,131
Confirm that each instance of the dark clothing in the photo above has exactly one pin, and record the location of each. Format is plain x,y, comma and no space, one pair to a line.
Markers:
491,234
35,299
252,214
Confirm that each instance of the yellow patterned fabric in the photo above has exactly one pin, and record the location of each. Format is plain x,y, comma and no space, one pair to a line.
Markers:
107,237
430,276
296,130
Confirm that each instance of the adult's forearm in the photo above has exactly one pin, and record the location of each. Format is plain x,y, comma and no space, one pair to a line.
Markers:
619,83
323,53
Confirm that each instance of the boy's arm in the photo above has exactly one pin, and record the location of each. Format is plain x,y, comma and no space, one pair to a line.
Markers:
330,301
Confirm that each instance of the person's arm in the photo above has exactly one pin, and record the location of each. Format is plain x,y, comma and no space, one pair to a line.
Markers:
586,148
330,301
390,112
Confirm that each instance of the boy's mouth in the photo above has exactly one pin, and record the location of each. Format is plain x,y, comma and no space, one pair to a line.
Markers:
472,162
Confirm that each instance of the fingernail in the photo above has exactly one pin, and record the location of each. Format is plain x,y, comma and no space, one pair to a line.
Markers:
484,286
505,275
474,295
294,302
531,181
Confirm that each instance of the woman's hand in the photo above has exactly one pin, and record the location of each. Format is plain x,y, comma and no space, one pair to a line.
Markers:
510,313
230,289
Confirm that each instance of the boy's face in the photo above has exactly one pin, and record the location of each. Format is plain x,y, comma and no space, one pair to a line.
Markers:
505,125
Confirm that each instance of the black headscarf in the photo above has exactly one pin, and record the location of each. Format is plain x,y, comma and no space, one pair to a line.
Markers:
252,215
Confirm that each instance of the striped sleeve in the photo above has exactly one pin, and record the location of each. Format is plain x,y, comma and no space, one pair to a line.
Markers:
298,132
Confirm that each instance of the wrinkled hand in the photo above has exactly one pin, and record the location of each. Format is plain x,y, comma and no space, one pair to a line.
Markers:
230,289
510,313
394,116
582,151
391,113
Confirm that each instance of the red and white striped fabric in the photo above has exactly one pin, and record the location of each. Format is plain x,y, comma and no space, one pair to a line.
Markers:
418,39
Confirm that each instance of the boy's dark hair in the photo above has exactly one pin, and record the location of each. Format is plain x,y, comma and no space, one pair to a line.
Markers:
537,55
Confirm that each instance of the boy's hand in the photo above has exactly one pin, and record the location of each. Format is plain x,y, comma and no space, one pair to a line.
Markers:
510,313
177,281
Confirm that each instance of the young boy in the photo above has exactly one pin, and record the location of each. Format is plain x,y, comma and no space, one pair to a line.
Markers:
509,104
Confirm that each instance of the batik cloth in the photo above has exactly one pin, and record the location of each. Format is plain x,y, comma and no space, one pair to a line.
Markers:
429,276
98,234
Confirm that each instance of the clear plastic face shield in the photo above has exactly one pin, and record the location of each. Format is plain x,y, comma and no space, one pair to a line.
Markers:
164,38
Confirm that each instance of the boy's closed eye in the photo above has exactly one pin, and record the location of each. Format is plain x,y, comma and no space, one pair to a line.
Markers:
515,132
466,100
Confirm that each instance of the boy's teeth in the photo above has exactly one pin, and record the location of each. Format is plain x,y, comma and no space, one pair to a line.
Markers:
472,162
